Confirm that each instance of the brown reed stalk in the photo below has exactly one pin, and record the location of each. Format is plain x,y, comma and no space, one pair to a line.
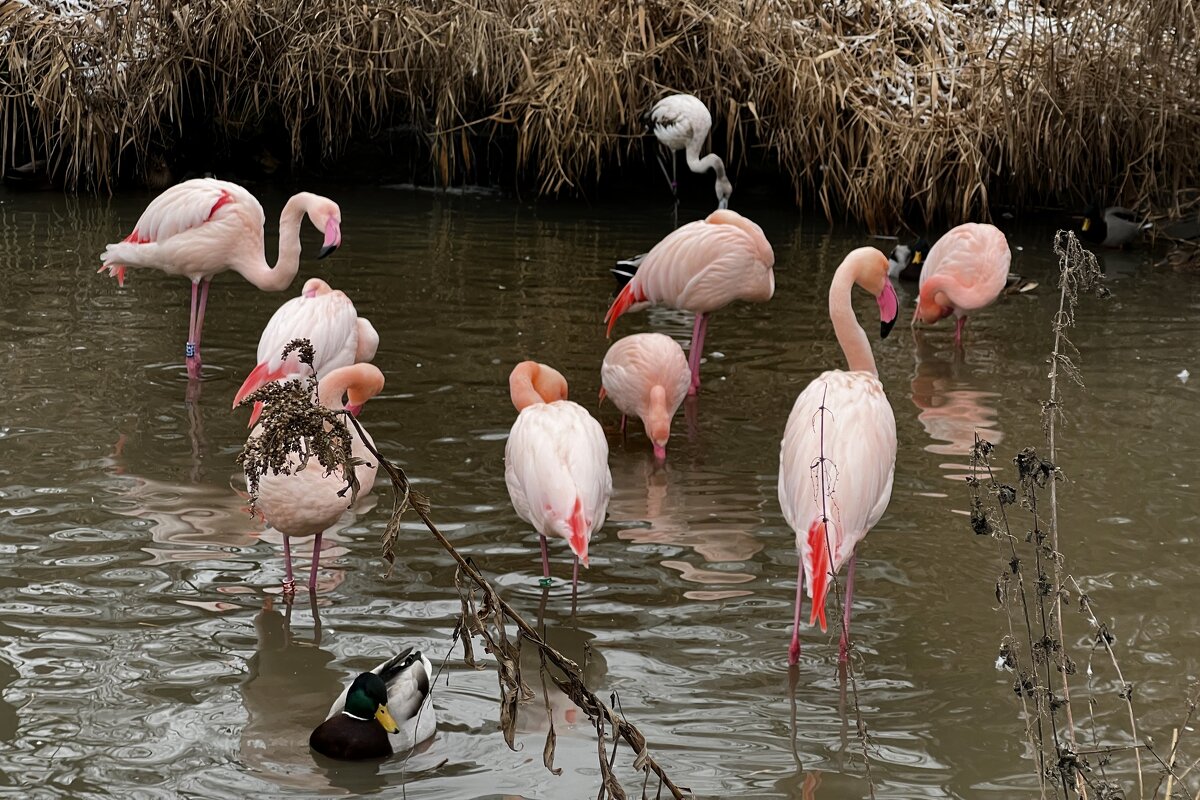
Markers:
871,110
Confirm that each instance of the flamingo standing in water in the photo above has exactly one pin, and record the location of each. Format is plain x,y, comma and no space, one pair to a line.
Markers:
843,420
682,122
647,376
701,267
307,502
966,270
555,463
204,226
327,318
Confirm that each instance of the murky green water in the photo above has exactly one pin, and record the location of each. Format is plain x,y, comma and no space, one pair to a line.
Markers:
139,659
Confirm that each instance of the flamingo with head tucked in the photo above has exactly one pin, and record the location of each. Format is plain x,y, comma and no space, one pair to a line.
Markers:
203,227
838,453
965,270
555,463
307,501
327,318
647,376
701,267
682,122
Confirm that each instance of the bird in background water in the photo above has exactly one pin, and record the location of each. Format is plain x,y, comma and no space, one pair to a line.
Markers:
555,463
701,267
682,122
838,453
646,375
327,318
306,502
204,226
1111,227
966,270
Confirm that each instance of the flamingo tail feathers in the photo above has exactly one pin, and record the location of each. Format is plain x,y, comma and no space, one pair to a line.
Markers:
818,550
259,376
579,531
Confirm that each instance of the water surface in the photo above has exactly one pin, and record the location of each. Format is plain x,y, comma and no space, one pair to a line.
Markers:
146,652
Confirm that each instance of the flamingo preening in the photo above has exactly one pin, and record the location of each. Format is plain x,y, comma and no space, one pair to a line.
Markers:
306,502
327,318
838,453
203,227
701,267
965,270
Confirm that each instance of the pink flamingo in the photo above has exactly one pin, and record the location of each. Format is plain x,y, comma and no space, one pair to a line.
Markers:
701,267
328,319
966,270
307,501
647,376
831,511
204,226
555,463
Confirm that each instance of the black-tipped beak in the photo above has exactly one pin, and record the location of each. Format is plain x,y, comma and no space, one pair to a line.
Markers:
885,327
889,309
326,250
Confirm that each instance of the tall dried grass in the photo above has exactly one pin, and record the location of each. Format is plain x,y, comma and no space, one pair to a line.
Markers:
870,107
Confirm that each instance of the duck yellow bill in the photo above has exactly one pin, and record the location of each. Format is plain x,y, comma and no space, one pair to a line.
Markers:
1087,223
385,719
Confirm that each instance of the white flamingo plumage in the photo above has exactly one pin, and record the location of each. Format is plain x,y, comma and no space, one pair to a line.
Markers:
838,453
307,502
328,319
555,462
682,122
202,227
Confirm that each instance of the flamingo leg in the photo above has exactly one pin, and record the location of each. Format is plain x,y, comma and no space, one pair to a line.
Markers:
844,647
191,352
696,350
289,583
958,331
622,426
200,316
575,584
794,650
316,560
545,557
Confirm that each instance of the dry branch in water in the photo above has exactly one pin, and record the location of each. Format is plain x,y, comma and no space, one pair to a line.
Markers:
299,426
869,107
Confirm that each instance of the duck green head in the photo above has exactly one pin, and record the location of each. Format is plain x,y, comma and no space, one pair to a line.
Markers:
367,698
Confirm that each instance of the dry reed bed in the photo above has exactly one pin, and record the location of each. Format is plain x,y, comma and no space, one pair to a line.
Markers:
871,107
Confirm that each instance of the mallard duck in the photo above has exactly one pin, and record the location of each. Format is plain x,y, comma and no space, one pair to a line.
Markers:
1113,227
906,260
384,711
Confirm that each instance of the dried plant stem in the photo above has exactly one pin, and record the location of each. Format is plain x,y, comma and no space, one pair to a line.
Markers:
572,685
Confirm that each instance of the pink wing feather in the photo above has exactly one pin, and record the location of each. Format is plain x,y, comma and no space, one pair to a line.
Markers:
973,260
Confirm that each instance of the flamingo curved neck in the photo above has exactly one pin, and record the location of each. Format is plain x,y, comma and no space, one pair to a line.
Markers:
711,161
850,334
287,263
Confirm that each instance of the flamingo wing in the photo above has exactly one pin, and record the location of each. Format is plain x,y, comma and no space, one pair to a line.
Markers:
974,258
857,437
637,363
195,228
556,469
368,341
679,119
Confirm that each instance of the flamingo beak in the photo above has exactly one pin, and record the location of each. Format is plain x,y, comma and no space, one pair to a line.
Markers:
660,453
333,237
889,309
354,408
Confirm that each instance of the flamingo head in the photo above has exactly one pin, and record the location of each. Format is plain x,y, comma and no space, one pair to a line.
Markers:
932,304
327,217
531,382
872,275
358,382
658,422
724,191
314,287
